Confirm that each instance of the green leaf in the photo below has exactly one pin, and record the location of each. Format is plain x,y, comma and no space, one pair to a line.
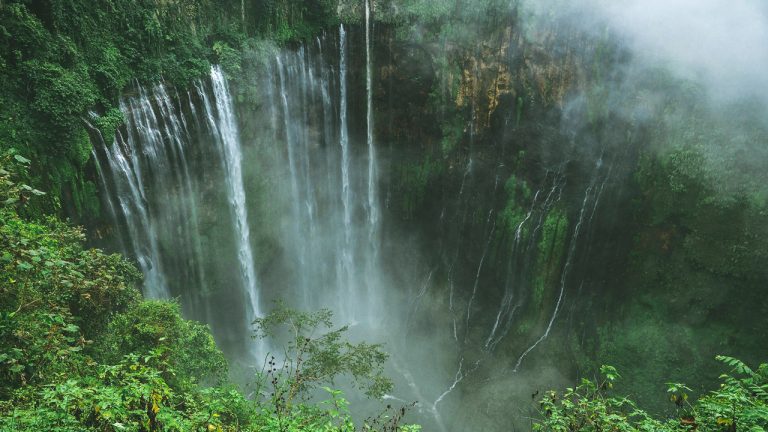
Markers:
22,159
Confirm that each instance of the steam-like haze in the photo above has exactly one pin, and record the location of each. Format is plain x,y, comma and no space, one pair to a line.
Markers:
718,43
721,44
313,218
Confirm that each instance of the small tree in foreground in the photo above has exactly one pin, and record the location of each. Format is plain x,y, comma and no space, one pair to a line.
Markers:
740,404
315,355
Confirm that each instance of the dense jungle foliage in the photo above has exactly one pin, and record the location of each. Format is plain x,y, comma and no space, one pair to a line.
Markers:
80,349
61,59
741,403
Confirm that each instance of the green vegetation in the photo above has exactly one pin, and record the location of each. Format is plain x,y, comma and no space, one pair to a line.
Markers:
551,249
314,359
81,351
740,403
290,20
61,59
514,213
413,181
695,280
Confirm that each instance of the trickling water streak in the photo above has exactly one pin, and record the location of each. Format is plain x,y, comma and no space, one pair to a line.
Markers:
509,294
464,178
458,378
527,216
372,262
519,262
131,142
432,407
415,303
417,392
230,152
563,277
271,98
373,208
181,113
479,270
394,398
600,192
553,197
193,110
176,130
103,179
125,163
346,192
425,285
290,140
451,267
450,307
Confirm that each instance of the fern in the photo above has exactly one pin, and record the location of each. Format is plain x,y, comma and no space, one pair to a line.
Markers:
737,365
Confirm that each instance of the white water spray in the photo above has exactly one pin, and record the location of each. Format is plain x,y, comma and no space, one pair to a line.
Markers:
229,146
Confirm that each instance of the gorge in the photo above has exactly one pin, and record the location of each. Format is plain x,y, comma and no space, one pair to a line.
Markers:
506,195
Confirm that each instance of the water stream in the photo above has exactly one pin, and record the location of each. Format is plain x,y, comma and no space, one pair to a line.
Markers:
227,211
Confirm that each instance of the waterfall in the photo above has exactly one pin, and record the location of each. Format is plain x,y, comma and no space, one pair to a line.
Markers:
329,221
112,212
152,147
373,264
187,190
290,141
492,223
373,205
589,195
156,183
521,262
506,308
228,144
347,253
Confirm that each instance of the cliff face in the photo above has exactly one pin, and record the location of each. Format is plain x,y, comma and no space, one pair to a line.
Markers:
547,204
573,209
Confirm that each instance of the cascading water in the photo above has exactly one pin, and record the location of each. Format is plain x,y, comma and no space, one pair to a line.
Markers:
522,260
563,278
329,221
146,174
144,151
331,194
373,200
186,187
231,154
346,262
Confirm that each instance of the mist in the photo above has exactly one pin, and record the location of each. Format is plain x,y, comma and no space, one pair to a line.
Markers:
716,44
457,190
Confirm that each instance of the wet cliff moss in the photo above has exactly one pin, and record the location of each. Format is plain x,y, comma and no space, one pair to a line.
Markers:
670,268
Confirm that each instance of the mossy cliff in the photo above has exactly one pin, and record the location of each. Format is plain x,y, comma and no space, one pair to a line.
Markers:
567,206
529,158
